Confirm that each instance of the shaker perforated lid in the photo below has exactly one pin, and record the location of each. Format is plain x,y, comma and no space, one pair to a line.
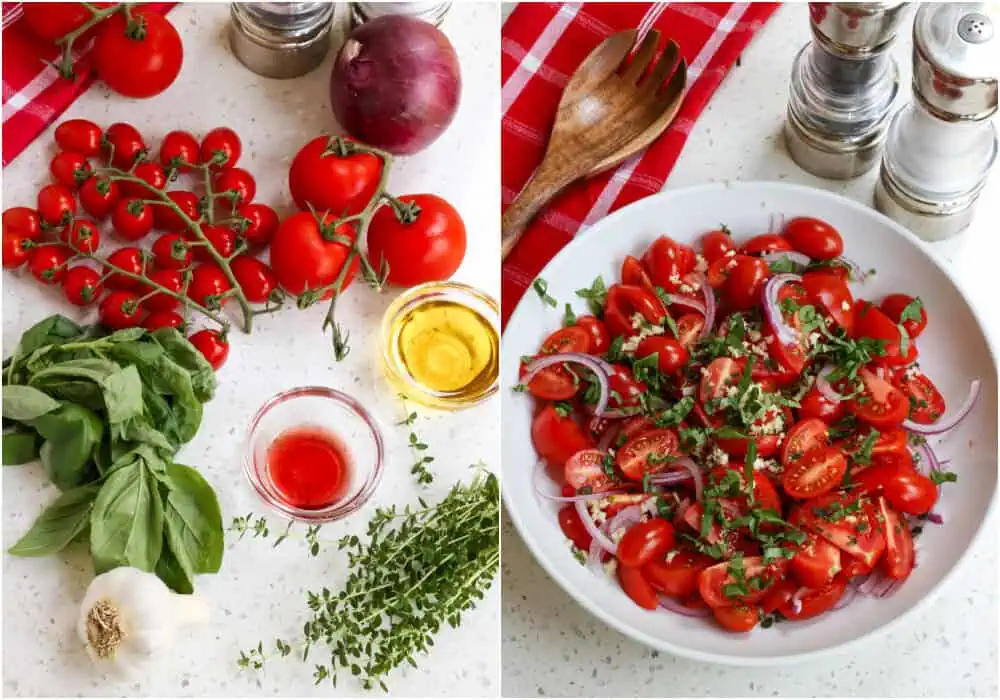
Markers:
856,28
956,58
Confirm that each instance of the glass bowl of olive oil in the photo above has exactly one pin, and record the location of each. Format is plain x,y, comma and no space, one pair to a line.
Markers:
441,345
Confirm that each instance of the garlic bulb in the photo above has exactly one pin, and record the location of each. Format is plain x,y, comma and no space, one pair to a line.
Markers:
129,618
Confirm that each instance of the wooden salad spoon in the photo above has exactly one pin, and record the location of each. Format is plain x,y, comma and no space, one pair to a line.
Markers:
611,109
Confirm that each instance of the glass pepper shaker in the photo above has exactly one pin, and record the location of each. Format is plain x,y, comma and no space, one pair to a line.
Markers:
843,85
432,12
280,39
942,145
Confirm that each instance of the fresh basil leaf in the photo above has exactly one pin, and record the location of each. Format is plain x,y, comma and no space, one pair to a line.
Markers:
911,312
541,288
569,318
190,358
70,435
193,520
95,369
54,330
25,403
78,391
139,431
595,296
676,413
126,335
186,408
126,524
170,571
59,524
19,447
123,395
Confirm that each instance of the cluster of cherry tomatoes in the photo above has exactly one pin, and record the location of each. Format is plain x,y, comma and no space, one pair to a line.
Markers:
60,238
832,488
137,53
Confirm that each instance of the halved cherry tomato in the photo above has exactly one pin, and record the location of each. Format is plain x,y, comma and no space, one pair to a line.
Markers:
895,304
676,575
715,244
813,602
765,243
557,437
806,435
832,297
716,379
745,283
767,445
572,527
764,493
635,275
585,470
899,554
645,541
847,521
815,405
556,383
689,328
719,269
880,404
891,441
926,402
816,472
637,587
816,563
778,595
667,261
623,301
852,566
754,572
625,389
671,356
870,322
738,618
600,341
817,239
907,490
647,452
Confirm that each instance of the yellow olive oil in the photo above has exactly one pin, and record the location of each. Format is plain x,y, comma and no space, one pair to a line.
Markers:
447,348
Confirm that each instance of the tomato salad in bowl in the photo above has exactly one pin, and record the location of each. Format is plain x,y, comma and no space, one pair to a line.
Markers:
736,433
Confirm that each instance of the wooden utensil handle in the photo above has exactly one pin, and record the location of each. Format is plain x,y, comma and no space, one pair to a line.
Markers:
545,184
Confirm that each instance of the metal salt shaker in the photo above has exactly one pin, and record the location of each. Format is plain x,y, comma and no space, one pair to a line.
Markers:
941,147
843,85
432,12
280,39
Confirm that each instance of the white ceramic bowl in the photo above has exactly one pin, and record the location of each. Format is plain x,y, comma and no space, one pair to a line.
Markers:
953,351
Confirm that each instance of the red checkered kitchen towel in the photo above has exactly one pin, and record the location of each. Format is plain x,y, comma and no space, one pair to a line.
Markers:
542,46
33,93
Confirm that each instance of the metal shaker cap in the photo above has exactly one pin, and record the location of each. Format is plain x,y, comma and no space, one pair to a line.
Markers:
280,39
856,28
956,57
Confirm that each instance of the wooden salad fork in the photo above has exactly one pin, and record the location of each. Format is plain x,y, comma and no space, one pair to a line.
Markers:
611,109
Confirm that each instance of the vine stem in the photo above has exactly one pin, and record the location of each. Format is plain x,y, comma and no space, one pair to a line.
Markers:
155,286
195,228
66,41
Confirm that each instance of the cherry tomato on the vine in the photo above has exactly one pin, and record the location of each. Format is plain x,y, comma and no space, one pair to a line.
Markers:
172,280
307,256
166,218
325,180
82,285
259,222
151,173
138,56
121,309
56,205
163,319
70,169
221,148
129,259
254,277
47,263
213,345
132,218
53,20
208,284
177,148
238,182
80,136
123,144
15,250
23,221
99,196
83,234
222,239
172,251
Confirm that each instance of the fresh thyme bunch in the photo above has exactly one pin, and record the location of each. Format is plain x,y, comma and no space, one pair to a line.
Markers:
420,569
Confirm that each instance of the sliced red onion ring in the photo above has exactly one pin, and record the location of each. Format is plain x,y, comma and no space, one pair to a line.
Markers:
710,306
595,532
625,518
925,461
878,585
858,273
797,258
679,512
797,599
849,594
594,555
824,386
609,436
688,470
597,366
935,518
945,424
669,478
686,301
785,333
675,606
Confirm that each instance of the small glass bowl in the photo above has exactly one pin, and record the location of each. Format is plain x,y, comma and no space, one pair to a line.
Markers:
396,371
328,410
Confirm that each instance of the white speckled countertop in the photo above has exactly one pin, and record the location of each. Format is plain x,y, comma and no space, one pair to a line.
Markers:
260,592
552,646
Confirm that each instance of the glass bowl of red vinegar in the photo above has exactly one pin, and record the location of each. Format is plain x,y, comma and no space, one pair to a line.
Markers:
314,454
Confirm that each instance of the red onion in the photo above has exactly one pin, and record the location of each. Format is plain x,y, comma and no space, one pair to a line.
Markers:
824,386
592,363
679,512
786,335
625,518
675,606
797,258
710,305
609,436
595,532
797,599
690,471
584,497
677,299
396,84
670,478
944,425
849,594
878,585
858,273
594,555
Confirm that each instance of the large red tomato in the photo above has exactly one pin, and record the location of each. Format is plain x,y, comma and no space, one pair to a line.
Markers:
141,58
426,244
306,256
327,181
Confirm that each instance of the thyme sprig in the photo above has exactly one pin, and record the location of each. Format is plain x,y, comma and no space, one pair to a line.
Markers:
418,569
419,469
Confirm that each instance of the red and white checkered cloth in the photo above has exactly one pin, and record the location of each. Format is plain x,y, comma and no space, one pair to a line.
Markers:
33,93
542,46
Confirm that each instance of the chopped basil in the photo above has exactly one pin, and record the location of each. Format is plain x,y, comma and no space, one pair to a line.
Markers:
563,408
569,318
943,477
912,311
675,414
541,288
615,353
595,295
